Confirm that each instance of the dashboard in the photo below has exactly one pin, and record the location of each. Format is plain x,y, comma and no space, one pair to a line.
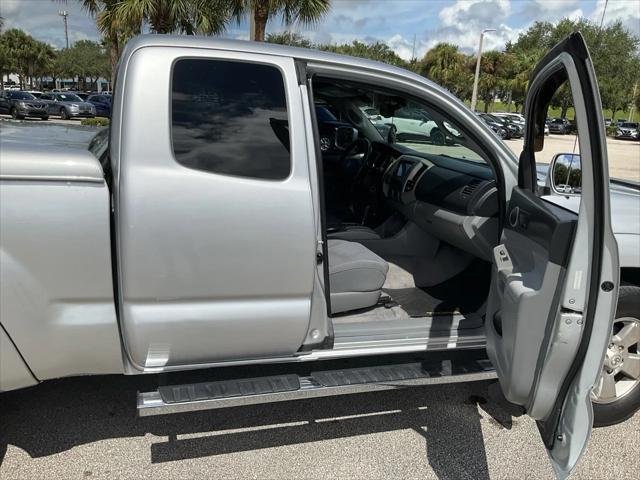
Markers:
453,199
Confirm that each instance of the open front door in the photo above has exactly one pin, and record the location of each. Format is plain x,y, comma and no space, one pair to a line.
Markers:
555,277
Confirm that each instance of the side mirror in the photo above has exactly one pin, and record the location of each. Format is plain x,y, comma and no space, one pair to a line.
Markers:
345,136
565,174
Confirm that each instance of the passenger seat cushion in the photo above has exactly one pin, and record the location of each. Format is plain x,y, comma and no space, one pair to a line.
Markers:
354,268
354,233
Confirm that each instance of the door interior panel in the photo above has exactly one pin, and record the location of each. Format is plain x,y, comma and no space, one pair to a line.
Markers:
524,287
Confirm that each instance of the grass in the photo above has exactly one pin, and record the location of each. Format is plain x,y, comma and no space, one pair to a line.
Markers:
555,112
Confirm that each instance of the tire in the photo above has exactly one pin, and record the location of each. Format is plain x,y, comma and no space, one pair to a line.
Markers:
45,118
63,114
437,137
15,115
502,133
608,409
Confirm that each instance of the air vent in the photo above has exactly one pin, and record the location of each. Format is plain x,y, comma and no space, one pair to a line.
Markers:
470,187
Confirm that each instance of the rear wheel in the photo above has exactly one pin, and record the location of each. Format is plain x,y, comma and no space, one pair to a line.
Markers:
502,133
616,395
63,114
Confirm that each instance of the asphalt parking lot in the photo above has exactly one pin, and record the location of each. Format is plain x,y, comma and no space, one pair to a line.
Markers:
87,428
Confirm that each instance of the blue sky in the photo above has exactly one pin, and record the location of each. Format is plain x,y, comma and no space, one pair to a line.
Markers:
394,22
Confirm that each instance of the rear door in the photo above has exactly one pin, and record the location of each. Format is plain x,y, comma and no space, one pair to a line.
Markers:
555,277
215,235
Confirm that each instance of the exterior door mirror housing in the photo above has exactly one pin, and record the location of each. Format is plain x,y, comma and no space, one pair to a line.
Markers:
565,174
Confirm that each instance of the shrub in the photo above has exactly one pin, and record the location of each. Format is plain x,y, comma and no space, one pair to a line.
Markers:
95,122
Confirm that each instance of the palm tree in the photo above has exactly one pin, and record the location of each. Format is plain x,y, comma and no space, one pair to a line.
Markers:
307,12
446,65
116,30
183,16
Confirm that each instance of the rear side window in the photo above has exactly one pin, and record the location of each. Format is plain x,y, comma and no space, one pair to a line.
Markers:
230,118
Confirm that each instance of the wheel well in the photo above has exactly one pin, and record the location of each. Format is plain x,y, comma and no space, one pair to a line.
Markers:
630,276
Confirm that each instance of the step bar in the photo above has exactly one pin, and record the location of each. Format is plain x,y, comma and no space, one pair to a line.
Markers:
282,388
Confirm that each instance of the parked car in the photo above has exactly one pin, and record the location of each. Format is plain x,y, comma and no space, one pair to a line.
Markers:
68,105
516,118
413,124
120,263
387,129
82,95
607,122
560,125
516,130
21,104
627,130
496,126
102,104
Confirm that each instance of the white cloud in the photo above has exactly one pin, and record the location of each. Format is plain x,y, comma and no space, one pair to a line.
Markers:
40,19
627,11
479,13
554,6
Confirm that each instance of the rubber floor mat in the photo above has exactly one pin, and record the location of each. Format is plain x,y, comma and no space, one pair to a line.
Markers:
418,303
463,293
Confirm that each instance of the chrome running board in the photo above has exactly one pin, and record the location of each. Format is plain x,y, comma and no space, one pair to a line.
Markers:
281,388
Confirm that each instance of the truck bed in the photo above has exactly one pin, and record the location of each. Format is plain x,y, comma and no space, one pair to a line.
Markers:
55,249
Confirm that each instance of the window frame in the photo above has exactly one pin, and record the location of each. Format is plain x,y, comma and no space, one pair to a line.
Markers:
285,86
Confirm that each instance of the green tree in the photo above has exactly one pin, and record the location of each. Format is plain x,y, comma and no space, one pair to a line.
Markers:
289,38
448,67
306,12
518,66
492,76
6,60
181,16
22,53
115,29
614,52
374,51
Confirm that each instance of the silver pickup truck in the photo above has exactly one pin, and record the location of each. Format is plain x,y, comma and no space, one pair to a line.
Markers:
210,229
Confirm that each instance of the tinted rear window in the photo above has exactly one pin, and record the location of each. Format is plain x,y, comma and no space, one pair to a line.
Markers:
230,118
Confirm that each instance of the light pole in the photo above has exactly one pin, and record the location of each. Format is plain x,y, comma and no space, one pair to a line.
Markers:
64,14
474,95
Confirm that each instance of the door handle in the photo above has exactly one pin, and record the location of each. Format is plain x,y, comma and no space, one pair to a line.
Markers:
514,215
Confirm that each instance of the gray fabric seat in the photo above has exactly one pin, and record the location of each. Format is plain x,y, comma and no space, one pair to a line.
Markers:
356,275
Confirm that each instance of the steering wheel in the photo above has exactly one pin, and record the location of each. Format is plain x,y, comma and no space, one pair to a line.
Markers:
364,188
358,144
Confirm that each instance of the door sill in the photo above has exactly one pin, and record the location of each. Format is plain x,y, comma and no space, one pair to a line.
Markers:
361,339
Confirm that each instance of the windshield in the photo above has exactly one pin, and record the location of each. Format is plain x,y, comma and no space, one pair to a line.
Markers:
498,119
324,115
629,125
384,116
69,97
21,96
